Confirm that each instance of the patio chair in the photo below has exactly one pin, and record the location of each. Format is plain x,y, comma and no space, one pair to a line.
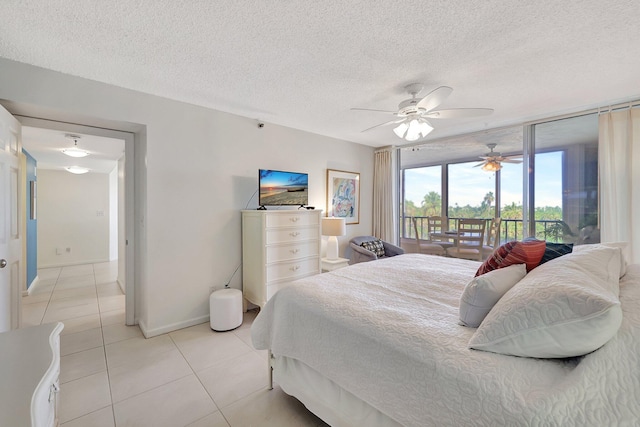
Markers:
493,238
424,246
469,240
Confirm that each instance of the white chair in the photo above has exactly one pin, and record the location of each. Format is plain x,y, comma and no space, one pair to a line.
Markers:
493,238
436,226
426,247
469,240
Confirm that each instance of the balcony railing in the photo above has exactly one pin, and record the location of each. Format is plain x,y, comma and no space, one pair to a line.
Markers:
510,229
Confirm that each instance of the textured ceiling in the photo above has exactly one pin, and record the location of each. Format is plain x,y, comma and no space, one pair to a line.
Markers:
304,64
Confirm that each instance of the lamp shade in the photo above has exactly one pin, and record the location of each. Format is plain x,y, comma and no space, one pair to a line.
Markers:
334,226
413,128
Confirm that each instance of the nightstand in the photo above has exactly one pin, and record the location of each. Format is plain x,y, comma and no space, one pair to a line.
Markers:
333,264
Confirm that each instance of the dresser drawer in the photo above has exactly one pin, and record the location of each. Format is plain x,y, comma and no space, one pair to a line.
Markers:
292,269
291,220
290,235
292,251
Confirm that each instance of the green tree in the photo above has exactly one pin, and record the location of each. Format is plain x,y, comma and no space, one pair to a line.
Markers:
410,209
485,206
432,204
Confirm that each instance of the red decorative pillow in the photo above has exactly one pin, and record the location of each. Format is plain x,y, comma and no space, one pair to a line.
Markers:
528,252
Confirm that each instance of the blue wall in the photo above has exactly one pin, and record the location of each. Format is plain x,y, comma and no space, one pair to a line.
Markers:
32,224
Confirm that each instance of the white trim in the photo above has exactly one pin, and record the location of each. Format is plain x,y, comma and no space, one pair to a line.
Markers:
69,264
120,285
131,138
149,333
29,290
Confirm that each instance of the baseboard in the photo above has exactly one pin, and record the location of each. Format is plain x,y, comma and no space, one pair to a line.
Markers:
69,264
30,289
150,333
120,285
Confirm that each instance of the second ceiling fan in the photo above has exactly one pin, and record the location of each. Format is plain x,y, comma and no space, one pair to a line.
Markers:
492,161
411,117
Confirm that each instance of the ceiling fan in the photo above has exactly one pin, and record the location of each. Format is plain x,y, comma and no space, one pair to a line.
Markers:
492,161
413,113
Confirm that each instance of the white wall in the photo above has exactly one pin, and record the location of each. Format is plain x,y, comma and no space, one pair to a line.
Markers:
196,168
73,218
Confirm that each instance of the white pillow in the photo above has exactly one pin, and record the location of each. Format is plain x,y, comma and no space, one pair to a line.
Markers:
566,307
483,292
622,245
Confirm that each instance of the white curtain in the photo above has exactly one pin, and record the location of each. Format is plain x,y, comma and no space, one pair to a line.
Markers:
383,196
619,164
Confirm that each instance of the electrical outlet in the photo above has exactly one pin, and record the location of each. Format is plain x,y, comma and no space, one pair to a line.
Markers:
58,251
68,250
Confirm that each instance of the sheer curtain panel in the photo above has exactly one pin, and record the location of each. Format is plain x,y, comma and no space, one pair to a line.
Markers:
619,157
383,196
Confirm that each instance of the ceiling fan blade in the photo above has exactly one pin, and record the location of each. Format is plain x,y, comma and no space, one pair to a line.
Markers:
434,98
370,109
480,164
459,113
390,122
514,161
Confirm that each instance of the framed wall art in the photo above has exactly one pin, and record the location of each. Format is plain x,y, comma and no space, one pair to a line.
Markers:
343,195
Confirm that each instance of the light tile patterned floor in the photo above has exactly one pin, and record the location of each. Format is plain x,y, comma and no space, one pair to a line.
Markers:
112,376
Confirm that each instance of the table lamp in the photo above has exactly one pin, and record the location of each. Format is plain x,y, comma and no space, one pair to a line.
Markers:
333,227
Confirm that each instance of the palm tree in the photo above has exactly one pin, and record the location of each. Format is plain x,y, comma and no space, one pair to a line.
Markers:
486,204
432,204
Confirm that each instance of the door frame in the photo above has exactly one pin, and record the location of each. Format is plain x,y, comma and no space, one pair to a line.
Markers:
129,199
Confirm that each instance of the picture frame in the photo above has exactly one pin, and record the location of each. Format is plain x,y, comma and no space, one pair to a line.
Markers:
343,195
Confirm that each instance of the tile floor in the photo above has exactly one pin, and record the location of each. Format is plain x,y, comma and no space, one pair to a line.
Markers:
111,375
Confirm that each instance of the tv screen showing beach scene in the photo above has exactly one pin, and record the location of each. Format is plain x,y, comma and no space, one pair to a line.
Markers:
278,188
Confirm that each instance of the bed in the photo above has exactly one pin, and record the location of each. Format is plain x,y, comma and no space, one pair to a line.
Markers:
381,343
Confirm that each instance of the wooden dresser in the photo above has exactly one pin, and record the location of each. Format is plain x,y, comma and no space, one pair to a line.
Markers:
278,246
29,371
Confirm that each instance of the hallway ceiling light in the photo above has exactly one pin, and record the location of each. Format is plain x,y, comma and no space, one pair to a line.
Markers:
75,151
77,170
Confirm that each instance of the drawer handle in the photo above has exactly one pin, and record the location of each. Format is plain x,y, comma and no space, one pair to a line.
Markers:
294,251
294,219
294,234
294,268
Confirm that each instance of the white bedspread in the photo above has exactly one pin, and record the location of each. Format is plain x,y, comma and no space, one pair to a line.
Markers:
387,331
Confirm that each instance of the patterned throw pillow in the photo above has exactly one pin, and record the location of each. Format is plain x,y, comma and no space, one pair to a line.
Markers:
528,252
555,250
374,246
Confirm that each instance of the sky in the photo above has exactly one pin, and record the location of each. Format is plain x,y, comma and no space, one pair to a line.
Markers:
468,184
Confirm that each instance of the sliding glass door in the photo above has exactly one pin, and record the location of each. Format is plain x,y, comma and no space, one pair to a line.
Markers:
565,180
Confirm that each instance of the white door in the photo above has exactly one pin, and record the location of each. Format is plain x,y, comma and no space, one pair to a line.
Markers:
10,220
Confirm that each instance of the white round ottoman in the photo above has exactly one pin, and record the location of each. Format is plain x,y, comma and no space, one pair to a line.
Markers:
225,309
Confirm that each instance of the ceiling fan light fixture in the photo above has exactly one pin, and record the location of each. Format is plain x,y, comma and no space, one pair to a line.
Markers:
413,133
77,170
491,166
425,128
413,129
401,129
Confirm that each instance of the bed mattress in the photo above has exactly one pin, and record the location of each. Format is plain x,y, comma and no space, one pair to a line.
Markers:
388,333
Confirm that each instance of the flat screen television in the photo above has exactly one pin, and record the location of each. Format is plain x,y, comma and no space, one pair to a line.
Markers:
281,188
